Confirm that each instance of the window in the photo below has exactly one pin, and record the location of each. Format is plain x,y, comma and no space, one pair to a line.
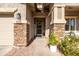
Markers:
70,24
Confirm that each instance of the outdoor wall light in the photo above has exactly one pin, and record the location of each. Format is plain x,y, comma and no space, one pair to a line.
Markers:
39,6
18,16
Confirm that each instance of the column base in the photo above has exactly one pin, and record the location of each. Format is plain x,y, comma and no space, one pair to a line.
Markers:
20,34
59,29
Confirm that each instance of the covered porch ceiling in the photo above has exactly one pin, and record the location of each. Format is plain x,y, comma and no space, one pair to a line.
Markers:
42,9
39,9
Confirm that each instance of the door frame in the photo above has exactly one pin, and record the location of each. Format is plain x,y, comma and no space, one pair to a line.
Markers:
43,26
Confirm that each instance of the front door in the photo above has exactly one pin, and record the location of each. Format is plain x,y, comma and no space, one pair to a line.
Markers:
40,27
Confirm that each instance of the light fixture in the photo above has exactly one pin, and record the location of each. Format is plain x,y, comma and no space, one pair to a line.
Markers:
39,6
18,16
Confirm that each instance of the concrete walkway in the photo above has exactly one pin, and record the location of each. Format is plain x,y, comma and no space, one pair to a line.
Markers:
38,47
4,49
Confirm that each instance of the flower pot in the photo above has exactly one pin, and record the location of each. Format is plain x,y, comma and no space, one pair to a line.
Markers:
53,48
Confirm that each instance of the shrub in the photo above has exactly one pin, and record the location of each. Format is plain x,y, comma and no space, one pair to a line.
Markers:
53,40
70,45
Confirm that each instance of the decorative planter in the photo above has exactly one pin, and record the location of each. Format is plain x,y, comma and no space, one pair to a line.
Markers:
53,48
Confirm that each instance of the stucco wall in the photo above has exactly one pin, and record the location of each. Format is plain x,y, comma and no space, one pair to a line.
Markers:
77,24
30,23
20,8
47,26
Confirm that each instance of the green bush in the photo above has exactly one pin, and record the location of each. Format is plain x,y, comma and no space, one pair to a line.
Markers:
70,45
53,39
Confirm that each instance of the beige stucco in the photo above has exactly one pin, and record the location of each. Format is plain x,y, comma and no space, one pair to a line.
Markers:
56,14
30,22
47,29
19,8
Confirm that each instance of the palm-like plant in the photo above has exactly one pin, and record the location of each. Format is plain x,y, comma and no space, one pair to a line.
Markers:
53,40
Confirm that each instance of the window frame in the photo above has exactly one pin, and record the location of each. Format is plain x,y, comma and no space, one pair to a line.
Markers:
71,17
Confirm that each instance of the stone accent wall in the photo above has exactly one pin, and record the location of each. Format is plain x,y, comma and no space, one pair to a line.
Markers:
20,34
59,29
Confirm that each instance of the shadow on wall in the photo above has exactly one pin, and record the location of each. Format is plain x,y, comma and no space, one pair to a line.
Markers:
29,41
28,18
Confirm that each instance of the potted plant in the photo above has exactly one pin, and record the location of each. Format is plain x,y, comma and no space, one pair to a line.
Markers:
53,41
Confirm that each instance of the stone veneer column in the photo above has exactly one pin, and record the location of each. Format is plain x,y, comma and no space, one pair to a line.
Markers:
20,26
58,24
59,29
20,34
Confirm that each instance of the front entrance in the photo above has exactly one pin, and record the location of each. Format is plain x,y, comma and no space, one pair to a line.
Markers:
40,26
